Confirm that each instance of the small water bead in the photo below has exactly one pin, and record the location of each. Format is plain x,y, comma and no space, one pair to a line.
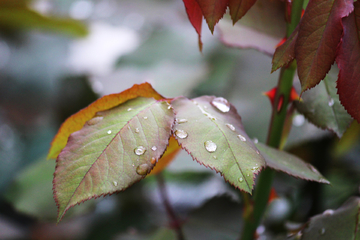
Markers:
215,157
221,104
331,102
248,175
181,134
210,146
182,120
230,126
145,118
129,109
109,132
142,169
137,130
241,179
241,137
328,212
115,183
169,107
322,231
205,106
256,140
154,148
94,120
140,150
153,160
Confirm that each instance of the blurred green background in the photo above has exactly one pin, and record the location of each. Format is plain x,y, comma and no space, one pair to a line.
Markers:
57,56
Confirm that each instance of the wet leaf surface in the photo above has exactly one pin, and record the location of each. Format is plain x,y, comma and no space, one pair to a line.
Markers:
112,151
211,131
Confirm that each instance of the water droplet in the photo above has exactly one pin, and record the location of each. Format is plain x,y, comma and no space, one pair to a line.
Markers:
331,102
129,127
328,212
109,132
230,126
210,146
298,120
142,169
181,134
312,168
195,102
137,130
182,120
205,106
221,103
241,137
169,107
248,175
94,120
241,179
129,109
256,140
215,157
145,118
322,231
133,165
140,150
153,160
153,148
115,183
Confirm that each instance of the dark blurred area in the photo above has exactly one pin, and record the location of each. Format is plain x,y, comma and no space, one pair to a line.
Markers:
58,56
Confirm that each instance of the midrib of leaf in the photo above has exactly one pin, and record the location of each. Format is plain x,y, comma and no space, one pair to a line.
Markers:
219,128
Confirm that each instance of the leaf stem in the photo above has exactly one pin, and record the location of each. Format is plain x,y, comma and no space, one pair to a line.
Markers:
174,221
265,179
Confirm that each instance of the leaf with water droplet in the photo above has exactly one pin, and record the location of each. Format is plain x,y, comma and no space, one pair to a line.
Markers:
76,121
207,137
342,223
94,159
290,164
322,107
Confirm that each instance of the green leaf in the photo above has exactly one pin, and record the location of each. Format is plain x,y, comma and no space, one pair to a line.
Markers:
115,149
211,131
322,107
19,18
342,223
290,164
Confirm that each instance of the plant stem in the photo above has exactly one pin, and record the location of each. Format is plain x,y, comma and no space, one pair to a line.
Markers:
174,221
265,179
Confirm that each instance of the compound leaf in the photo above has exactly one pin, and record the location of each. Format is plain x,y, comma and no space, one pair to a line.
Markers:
113,150
211,131
76,121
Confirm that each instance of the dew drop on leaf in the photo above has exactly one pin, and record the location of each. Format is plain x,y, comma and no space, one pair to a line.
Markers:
248,175
109,132
221,103
145,118
242,138
331,102
256,140
115,183
142,169
137,130
182,120
230,126
139,150
328,212
154,148
181,134
215,157
129,109
322,231
153,160
210,146
241,179
94,120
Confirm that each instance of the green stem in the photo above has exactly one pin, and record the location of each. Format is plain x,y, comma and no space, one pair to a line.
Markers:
278,117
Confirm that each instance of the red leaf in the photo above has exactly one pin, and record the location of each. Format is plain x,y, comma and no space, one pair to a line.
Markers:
213,11
195,16
319,35
348,60
238,8
285,53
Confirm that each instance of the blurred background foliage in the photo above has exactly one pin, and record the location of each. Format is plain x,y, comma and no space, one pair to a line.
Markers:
57,56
